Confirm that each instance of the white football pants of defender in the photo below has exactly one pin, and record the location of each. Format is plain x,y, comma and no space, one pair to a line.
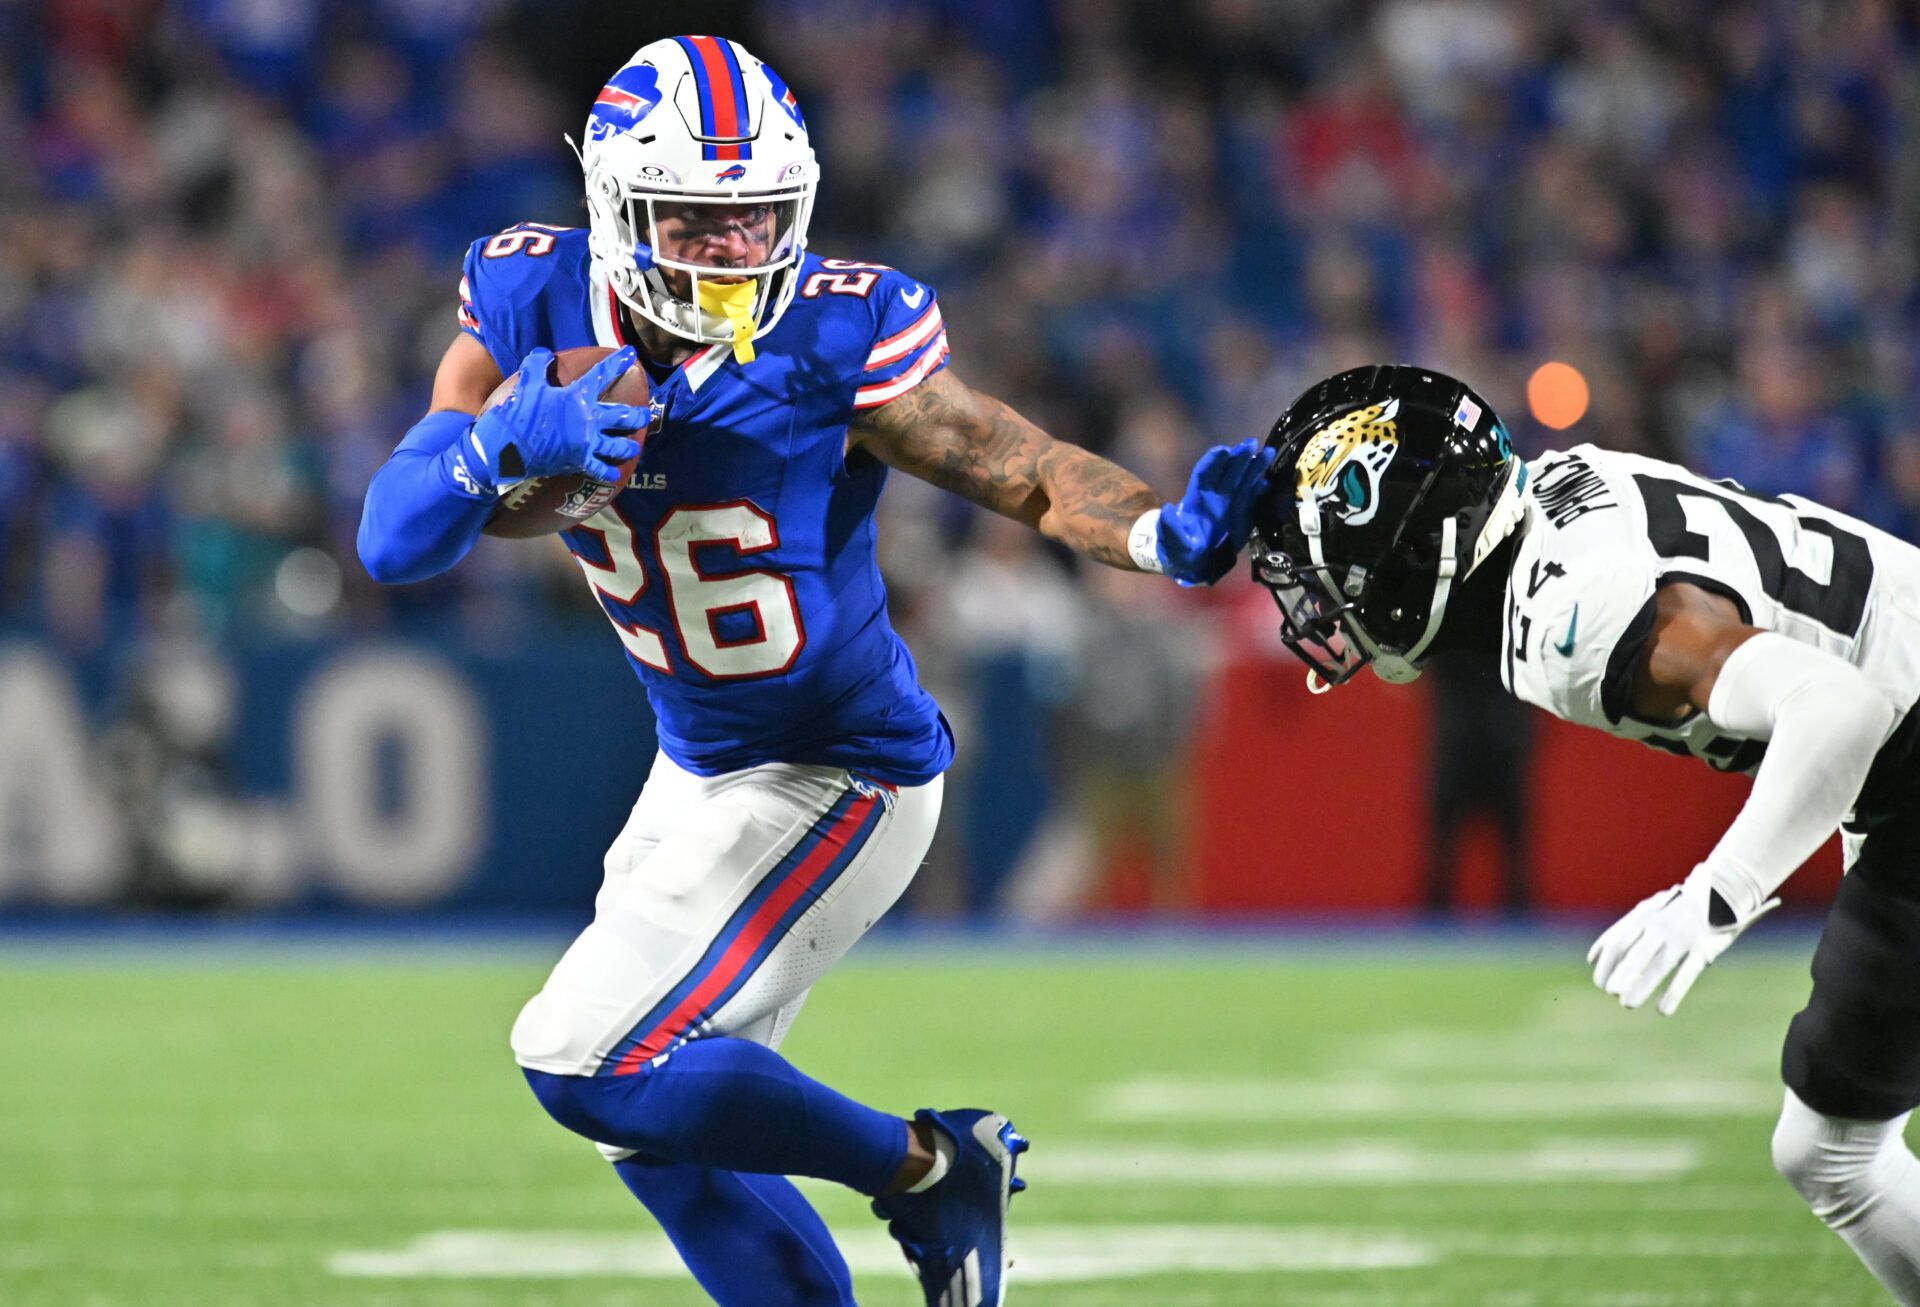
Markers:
725,898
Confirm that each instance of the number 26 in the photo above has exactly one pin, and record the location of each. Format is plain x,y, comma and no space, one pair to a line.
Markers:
697,598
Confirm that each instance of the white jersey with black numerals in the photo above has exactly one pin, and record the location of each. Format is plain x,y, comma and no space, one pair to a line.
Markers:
1604,530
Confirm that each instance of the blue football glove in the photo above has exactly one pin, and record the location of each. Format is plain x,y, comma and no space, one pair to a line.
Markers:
542,430
1199,538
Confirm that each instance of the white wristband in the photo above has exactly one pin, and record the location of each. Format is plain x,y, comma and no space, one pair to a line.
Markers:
1143,542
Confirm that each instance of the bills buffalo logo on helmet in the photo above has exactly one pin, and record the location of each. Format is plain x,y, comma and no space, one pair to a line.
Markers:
624,101
733,174
1341,466
783,94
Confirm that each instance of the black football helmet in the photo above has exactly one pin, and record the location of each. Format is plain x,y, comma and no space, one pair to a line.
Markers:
1390,485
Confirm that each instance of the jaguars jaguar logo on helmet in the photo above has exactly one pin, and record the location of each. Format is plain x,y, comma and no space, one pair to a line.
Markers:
1342,464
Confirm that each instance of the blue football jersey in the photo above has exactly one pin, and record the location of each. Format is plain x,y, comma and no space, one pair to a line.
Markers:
738,566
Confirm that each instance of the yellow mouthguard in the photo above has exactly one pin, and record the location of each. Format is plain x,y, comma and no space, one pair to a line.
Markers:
733,300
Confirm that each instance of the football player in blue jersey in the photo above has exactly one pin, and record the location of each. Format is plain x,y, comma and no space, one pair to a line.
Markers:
799,770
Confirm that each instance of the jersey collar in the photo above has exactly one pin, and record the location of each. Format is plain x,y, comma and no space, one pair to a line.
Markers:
605,308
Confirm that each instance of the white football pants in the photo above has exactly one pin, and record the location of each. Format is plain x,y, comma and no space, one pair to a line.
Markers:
1863,1181
725,898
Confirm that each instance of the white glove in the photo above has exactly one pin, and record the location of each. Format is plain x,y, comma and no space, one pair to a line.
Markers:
1666,933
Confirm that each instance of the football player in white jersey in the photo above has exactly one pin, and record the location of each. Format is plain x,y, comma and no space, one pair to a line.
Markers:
1763,635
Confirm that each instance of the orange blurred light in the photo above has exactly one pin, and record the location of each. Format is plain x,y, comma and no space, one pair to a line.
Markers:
1557,394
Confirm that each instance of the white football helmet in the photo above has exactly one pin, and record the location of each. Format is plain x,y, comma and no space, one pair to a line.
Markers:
697,120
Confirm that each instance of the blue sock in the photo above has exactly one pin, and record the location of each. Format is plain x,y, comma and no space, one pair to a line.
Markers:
750,1240
731,1105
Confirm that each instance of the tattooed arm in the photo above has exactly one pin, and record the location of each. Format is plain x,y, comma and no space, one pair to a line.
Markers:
972,444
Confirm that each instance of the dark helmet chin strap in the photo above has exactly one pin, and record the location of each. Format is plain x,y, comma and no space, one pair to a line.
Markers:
1508,508
1399,668
1395,668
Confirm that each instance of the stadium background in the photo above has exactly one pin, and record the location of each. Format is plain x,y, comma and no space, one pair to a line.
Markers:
233,240
281,852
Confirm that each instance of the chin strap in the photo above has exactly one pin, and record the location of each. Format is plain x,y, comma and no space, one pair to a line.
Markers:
1398,669
732,300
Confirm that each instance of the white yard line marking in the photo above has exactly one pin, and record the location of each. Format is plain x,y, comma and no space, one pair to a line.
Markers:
1135,1101
1365,1162
506,1254
1556,1247
1050,1254
1042,1253
1711,1297
1530,1052
1400,1297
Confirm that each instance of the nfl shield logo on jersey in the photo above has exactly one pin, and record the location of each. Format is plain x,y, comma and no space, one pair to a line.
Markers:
587,499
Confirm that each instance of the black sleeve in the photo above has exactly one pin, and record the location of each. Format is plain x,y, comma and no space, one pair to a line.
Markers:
1616,691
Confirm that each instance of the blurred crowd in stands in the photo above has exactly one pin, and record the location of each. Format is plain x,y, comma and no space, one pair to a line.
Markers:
234,231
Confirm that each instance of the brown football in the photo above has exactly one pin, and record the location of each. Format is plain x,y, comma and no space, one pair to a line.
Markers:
541,506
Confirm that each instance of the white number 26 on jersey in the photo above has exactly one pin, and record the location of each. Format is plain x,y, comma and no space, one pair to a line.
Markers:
762,600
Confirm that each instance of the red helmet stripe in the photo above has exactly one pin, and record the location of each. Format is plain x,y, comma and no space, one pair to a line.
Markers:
723,83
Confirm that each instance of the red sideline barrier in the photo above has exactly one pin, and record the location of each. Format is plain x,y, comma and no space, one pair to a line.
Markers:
1319,803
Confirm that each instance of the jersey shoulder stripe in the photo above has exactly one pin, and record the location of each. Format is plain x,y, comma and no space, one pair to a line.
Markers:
926,363
469,321
902,330
909,337
903,343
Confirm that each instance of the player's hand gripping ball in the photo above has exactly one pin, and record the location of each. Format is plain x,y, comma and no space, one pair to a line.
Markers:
541,502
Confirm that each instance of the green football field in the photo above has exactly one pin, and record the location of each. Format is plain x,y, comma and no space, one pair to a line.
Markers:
1374,1126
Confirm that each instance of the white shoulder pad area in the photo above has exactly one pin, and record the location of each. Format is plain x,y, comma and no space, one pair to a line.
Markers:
1580,597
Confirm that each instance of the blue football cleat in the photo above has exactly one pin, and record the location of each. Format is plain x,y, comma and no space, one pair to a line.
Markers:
955,1234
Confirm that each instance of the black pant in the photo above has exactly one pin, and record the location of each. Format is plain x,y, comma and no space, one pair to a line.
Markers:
1854,1051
